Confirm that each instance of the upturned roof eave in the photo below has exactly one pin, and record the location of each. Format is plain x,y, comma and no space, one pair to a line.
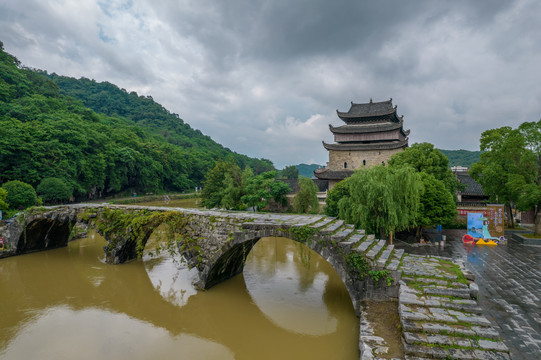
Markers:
371,146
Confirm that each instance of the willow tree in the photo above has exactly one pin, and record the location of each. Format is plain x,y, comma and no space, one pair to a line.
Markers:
382,199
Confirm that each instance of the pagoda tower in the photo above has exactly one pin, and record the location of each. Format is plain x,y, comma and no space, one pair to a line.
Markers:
372,133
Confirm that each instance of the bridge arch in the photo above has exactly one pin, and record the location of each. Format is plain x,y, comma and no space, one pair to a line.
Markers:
229,261
44,233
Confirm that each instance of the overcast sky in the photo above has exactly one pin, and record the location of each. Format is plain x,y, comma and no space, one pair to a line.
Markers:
265,78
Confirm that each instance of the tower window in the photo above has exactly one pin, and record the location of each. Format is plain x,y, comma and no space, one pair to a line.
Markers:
364,162
345,165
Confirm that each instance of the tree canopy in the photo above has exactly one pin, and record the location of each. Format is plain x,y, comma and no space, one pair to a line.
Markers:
509,167
226,186
54,190
423,157
99,139
20,195
305,201
382,199
290,172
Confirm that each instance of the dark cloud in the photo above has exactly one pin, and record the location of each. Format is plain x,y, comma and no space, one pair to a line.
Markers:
265,77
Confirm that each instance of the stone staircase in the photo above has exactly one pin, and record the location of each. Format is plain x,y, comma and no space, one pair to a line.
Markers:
440,315
438,308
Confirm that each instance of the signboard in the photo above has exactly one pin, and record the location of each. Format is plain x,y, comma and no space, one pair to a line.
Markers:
495,218
475,224
464,212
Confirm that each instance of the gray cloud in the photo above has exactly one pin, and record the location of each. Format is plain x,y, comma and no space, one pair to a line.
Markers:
265,77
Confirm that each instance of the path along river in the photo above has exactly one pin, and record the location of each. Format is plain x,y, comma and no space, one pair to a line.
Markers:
68,304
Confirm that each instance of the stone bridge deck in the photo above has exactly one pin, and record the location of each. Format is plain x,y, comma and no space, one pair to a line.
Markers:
438,308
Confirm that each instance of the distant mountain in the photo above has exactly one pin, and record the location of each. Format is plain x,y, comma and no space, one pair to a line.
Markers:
307,170
461,157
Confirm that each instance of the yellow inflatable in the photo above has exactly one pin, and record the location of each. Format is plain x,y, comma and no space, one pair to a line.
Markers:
485,242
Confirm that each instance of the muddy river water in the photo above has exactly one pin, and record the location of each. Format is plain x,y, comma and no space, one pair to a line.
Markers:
68,304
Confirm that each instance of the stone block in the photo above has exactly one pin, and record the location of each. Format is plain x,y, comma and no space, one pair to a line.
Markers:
486,332
475,320
439,340
412,338
492,345
490,355
474,290
462,354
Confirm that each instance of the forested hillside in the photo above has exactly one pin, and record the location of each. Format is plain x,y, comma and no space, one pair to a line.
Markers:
97,138
461,157
307,170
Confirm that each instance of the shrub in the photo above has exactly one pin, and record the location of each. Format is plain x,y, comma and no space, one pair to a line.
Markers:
20,195
54,190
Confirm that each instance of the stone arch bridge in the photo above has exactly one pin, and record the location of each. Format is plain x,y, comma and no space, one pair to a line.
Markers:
215,242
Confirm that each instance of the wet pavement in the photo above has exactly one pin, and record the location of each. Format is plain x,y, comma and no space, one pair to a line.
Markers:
509,278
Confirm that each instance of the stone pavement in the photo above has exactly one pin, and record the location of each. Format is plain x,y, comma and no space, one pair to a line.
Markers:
509,278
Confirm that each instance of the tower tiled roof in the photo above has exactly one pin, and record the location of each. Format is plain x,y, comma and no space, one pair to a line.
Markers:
328,174
368,128
369,146
371,111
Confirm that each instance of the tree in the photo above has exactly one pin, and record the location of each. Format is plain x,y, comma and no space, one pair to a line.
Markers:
262,188
235,184
3,204
290,172
214,185
20,195
339,191
305,201
424,157
527,184
436,203
508,169
382,199
54,190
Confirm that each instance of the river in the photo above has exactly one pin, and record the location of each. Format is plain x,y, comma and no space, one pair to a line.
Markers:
68,304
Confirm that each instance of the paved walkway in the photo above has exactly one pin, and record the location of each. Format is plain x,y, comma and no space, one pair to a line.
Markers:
509,278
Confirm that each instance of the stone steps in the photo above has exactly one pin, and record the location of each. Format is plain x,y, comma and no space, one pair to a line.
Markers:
374,250
332,227
365,245
384,256
439,319
321,224
344,232
395,260
353,239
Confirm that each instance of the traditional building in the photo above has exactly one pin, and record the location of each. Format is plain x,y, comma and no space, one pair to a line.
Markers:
372,134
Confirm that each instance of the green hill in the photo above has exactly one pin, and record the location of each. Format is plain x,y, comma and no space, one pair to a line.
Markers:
307,170
461,157
98,138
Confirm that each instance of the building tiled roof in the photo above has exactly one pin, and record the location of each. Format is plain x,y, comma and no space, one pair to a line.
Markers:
472,186
328,174
371,146
370,111
368,128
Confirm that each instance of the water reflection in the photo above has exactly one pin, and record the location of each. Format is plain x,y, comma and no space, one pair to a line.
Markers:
66,303
126,338
288,291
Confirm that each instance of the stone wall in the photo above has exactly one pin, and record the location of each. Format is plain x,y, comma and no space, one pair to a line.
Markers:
354,159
